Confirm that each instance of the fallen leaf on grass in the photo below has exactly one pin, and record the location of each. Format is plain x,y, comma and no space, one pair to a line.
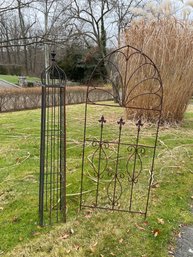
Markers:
121,241
95,244
93,247
171,253
16,219
145,223
76,247
36,233
156,232
139,227
88,216
65,236
155,185
18,160
160,221
71,231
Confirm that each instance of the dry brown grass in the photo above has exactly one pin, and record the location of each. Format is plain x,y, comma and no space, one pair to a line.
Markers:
36,90
169,43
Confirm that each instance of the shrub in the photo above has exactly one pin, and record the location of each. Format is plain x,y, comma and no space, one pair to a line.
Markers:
15,69
168,42
9,69
3,70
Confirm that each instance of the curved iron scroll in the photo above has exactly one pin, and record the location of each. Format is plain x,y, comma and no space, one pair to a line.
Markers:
133,76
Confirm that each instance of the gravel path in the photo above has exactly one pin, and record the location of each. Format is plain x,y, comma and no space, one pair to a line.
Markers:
185,243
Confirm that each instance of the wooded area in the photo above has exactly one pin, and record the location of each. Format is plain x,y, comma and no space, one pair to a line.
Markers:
81,31
30,28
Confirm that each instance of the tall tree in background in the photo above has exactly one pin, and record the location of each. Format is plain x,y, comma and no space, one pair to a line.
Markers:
54,12
90,18
24,30
123,14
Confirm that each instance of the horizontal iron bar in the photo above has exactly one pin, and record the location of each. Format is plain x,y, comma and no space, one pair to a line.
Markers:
110,209
132,107
114,142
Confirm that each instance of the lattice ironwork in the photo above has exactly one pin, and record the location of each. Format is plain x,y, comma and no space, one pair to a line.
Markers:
118,157
52,191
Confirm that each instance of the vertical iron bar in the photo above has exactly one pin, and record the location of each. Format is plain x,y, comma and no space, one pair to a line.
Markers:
54,150
47,144
102,121
58,154
63,151
42,157
83,150
139,124
121,123
51,158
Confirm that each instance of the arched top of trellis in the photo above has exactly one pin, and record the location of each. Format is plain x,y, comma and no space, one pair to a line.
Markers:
135,80
53,75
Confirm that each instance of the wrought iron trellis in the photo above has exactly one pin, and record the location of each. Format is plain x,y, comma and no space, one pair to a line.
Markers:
52,190
115,160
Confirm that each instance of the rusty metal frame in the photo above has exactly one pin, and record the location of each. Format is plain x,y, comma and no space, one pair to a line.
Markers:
124,99
52,189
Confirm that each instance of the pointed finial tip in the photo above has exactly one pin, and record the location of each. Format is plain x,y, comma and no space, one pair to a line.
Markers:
53,54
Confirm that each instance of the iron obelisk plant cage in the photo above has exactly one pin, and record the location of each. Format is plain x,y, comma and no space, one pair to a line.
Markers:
52,190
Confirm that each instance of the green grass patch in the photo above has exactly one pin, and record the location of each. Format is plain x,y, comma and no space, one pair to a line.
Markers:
91,233
14,79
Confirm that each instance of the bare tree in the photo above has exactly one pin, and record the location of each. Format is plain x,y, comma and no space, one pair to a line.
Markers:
52,10
123,11
90,18
7,6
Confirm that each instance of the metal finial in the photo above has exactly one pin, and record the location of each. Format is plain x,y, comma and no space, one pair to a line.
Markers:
121,122
53,54
102,120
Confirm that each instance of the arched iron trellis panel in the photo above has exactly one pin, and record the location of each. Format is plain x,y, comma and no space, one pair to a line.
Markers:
52,190
118,157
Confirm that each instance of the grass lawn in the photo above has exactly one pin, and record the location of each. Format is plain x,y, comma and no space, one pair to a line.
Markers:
91,233
14,79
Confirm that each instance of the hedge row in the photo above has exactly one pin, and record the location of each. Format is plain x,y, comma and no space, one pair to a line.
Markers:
30,98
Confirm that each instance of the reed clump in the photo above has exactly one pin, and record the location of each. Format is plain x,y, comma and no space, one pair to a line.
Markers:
168,42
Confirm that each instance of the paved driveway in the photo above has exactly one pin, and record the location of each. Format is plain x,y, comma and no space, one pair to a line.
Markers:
6,85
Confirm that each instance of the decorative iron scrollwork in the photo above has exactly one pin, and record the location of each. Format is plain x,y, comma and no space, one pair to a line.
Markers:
135,159
136,86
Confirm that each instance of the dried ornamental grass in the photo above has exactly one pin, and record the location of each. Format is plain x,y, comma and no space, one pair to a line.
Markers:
169,43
